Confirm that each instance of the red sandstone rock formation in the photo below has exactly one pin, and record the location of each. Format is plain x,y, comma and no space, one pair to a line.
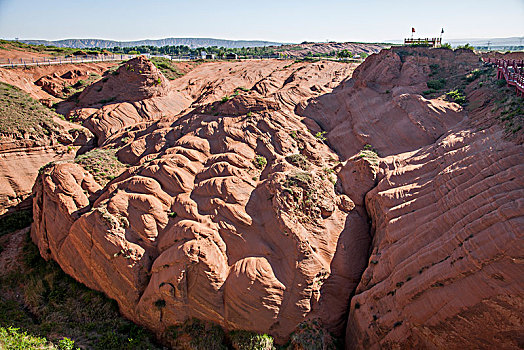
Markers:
383,104
446,263
200,226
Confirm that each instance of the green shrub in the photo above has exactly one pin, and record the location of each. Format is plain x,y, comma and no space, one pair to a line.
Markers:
344,54
466,47
446,46
436,84
321,136
80,83
298,178
245,340
66,344
368,147
225,99
260,162
167,67
456,96
370,154
12,338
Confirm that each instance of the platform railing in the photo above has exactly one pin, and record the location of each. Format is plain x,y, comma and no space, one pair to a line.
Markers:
512,71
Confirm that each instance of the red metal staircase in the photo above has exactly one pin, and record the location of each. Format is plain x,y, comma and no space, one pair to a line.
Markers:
512,71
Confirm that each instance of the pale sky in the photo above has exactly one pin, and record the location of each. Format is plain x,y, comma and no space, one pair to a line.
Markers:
272,20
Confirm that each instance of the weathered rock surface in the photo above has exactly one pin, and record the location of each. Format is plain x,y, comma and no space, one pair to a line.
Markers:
446,259
234,212
201,226
446,265
382,105
45,83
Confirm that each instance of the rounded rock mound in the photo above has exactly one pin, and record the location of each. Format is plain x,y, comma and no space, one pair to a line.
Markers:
136,80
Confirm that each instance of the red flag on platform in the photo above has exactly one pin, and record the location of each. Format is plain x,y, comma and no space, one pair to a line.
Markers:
412,30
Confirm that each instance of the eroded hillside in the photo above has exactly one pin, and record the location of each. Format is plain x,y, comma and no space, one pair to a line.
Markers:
261,195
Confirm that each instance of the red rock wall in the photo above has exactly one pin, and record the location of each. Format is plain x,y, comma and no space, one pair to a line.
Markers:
446,265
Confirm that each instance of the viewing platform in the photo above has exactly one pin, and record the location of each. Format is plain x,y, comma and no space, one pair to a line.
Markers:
430,42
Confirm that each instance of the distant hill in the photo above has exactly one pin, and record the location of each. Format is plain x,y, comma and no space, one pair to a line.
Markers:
494,43
191,42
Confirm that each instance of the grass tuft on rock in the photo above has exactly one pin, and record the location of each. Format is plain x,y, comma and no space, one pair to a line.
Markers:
102,164
246,340
167,68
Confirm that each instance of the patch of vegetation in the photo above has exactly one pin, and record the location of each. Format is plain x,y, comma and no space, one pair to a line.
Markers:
436,84
260,162
434,69
307,59
21,115
368,147
370,154
75,89
428,92
456,96
321,136
197,335
12,338
102,164
56,312
167,67
15,221
51,50
306,194
311,336
298,160
511,113
299,178
225,99
466,47
501,83
474,75
245,340
402,54
344,54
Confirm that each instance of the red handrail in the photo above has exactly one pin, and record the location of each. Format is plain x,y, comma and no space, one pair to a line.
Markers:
512,71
